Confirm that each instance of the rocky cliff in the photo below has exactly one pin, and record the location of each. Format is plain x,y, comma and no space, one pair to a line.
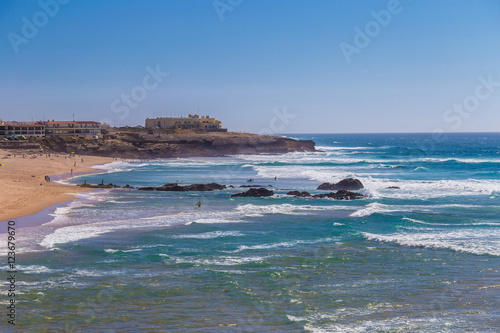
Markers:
141,143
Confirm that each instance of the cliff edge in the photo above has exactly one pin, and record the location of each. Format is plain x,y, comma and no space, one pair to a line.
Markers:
143,143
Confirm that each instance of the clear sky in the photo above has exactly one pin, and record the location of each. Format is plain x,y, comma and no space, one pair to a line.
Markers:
262,66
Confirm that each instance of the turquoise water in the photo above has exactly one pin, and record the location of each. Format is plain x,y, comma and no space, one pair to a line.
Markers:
421,258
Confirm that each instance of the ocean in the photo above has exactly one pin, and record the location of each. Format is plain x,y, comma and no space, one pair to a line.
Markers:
421,253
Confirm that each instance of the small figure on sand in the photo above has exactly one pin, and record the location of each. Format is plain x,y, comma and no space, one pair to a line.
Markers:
198,204
71,171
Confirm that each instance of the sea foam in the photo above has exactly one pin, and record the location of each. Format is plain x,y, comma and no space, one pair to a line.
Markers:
474,241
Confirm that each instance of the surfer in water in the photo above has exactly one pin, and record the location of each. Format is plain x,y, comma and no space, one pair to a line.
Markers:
198,204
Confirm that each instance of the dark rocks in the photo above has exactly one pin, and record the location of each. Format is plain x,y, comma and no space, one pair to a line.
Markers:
204,187
255,192
173,187
326,186
340,195
166,187
110,185
299,194
350,184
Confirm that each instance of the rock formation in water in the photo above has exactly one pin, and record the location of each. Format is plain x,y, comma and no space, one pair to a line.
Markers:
299,194
349,184
339,195
255,192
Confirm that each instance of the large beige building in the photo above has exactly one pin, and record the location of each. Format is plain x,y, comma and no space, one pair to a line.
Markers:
204,123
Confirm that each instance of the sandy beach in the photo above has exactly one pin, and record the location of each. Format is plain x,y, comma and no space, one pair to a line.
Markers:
24,188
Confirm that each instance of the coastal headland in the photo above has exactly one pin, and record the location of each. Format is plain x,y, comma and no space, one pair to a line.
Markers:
25,190
164,143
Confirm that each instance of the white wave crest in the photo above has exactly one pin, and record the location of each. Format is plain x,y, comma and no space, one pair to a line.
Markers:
219,261
283,244
474,241
372,208
211,235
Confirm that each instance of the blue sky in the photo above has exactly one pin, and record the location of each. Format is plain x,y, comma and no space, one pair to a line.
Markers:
260,66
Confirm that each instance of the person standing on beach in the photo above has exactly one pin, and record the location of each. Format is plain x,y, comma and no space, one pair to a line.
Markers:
71,171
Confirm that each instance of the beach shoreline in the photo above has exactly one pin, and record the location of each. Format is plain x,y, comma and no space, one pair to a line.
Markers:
26,191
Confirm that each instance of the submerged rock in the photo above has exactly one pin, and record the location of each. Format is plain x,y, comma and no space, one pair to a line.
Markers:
255,192
256,185
110,185
173,187
350,184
